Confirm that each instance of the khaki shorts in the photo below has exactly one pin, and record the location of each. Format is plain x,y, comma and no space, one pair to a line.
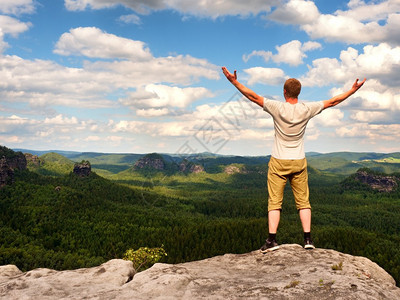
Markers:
279,171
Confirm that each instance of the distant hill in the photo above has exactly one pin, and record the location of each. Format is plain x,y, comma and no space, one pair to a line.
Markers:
347,163
53,164
342,163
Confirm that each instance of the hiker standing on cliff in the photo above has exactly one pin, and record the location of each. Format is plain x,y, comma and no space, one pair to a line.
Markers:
288,159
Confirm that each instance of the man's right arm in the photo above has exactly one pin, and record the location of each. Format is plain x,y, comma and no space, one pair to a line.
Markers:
248,93
339,98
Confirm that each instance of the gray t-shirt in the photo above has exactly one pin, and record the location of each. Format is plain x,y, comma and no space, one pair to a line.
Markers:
290,121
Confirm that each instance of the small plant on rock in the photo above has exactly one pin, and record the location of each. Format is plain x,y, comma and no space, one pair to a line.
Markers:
338,267
144,257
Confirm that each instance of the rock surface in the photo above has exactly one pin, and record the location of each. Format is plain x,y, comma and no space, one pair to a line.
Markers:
152,161
377,182
82,169
10,161
288,273
190,167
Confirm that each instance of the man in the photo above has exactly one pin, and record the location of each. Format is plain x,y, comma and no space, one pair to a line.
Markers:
288,157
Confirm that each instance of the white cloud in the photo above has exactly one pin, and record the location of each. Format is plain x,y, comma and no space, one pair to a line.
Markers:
381,62
46,84
214,9
364,20
311,45
61,120
12,26
291,53
371,133
3,45
172,69
206,8
370,116
17,7
130,19
296,12
330,117
152,112
13,123
92,42
266,55
271,76
157,95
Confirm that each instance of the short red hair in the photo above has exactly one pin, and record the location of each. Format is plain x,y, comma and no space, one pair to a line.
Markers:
292,87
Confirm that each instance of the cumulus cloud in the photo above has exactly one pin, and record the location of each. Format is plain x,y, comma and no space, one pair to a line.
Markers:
369,22
172,69
11,124
266,55
328,118
207,8
44,84
16,7
3,45
93,42
370,116
12,26
271,76
130,19
380,62
371,132
161,96
291,53
296,12
152,112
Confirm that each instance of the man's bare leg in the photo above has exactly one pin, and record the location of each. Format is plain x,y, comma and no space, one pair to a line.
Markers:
274,217
305,218
273,222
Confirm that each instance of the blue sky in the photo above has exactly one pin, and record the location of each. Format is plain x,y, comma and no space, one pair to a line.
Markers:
127,76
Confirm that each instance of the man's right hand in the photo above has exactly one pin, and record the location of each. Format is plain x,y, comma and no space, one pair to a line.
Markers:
231,77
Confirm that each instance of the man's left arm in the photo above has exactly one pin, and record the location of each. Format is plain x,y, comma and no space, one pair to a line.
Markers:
339,98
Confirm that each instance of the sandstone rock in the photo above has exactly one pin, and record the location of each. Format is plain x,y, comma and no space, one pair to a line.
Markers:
6,173
150,161
10,161
232,169
188,166
88,283
288,273
377,182
82,169
8,271
33,159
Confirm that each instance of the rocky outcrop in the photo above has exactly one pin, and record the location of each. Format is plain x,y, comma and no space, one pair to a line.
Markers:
152,161
82,169
232,169
187,166
33,160
288,273
380,183
10,161
6,173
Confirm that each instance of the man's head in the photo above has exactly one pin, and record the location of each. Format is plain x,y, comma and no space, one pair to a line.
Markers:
292,88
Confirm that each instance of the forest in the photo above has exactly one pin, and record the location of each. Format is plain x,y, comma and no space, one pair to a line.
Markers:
53,218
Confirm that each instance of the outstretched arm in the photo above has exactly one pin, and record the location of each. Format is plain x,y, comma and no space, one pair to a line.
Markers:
339,98
248,93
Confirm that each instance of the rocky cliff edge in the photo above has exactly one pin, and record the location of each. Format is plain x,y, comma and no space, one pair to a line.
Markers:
288,273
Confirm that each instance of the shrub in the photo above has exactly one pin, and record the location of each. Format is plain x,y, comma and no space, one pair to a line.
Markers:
144,257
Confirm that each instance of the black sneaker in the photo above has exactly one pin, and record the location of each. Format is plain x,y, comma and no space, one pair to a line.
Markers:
308,244
269,246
